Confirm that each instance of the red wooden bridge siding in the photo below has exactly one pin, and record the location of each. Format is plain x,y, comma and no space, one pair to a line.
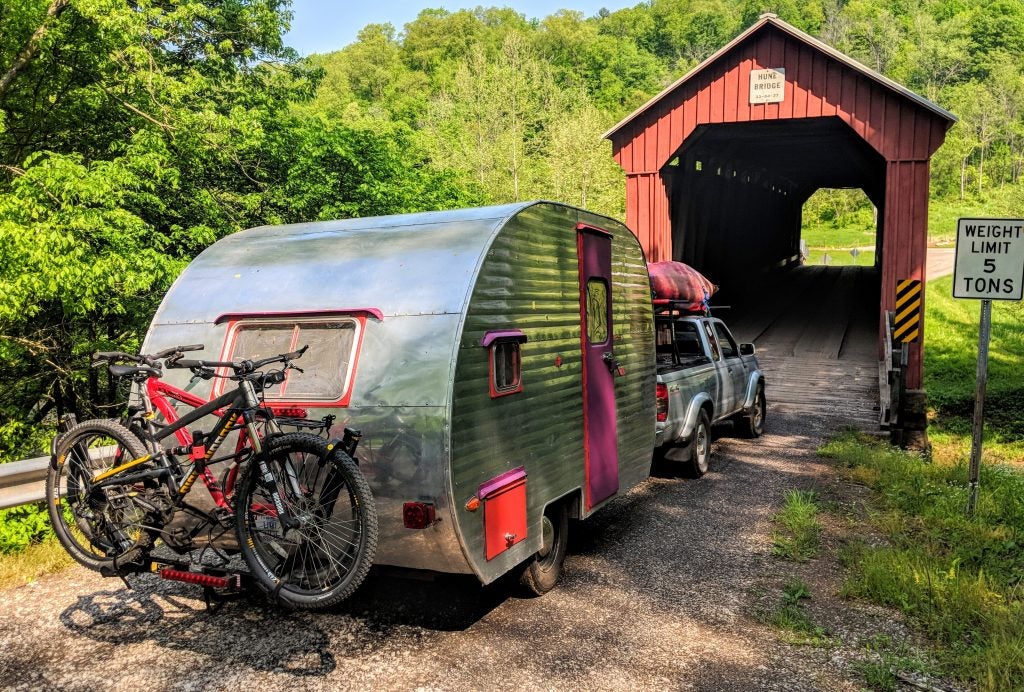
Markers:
904,129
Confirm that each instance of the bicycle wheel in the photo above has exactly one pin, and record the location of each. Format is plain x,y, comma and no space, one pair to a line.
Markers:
103,527
325,557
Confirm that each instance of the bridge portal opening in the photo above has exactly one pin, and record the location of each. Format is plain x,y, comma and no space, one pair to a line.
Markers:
839,227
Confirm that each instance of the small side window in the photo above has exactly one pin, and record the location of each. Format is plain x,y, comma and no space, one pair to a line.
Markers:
729,348
506,368
505,361
712,342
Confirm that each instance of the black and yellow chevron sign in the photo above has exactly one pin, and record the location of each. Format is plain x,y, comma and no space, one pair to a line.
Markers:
907,325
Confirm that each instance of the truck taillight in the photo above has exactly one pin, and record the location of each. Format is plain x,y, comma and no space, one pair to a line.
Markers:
662,396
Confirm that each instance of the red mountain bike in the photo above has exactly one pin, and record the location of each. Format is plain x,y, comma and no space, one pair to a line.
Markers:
302,512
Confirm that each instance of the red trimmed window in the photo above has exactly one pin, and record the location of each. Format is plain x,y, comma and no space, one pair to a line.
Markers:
328,367
505,361
506,368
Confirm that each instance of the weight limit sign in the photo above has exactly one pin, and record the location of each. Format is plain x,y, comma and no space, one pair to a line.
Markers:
989,259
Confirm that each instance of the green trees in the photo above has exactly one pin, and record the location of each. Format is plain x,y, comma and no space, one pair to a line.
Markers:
133,135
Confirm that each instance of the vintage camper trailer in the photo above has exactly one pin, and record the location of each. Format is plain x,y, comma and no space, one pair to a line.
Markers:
499,362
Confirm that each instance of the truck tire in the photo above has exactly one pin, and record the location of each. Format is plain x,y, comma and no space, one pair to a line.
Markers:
700,446
543,569
752,424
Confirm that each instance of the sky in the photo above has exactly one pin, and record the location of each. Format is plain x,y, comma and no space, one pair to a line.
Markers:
322,26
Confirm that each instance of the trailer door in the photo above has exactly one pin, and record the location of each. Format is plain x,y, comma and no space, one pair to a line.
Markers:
600,433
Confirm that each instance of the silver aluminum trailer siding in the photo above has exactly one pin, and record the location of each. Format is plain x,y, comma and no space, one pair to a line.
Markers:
435,294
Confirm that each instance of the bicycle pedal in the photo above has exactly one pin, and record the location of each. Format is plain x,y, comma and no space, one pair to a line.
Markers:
225,517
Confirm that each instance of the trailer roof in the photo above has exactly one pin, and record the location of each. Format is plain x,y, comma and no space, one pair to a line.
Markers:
399,265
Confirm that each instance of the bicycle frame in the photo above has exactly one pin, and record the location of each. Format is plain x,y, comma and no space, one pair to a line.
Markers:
235,404
160,394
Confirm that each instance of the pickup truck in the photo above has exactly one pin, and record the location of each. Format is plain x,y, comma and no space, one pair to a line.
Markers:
704,377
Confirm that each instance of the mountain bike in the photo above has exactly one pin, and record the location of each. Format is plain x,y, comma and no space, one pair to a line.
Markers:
112,489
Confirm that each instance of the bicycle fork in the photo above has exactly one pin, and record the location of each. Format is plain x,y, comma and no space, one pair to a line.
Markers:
270,480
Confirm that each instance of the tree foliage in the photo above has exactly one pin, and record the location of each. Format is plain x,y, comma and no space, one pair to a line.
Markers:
133,135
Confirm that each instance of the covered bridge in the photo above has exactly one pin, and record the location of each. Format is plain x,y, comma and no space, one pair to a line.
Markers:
719,164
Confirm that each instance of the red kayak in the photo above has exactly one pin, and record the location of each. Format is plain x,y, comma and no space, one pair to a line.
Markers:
682,285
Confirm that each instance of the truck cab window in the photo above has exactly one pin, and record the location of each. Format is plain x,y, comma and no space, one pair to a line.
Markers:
712,342
688,343
725,340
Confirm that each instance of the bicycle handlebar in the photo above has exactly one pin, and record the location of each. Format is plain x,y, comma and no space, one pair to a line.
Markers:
241,367
151,360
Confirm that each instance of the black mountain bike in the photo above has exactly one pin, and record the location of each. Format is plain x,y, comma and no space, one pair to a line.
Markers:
302,511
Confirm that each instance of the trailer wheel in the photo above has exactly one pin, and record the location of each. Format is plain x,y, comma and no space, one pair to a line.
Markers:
752,424
544,569
700,446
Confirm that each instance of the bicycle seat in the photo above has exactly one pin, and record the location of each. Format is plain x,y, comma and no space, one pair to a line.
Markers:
126,370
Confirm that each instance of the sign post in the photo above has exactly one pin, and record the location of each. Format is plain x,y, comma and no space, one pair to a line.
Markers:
989,265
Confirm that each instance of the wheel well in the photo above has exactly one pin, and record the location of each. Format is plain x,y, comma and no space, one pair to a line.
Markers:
708,409
573,502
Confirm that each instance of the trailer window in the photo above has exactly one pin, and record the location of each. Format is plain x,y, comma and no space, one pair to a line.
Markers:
597,311
327,365
506,368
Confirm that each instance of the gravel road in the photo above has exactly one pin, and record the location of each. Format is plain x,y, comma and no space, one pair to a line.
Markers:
661,589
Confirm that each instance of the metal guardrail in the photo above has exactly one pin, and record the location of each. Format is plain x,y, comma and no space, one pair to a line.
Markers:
23,482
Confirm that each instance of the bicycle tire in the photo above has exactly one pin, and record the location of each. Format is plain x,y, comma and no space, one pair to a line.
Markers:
105,528
324,560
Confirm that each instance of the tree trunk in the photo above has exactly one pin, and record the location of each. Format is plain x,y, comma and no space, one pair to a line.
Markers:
963,177
32,45
981,169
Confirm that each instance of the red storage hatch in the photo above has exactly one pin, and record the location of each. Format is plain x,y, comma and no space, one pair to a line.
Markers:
504,501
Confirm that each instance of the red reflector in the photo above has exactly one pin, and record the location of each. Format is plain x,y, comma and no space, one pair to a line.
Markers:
195,578
662,397
418,515
290,412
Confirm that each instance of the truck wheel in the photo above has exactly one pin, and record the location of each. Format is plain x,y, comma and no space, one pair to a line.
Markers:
544,568
752,424
700,446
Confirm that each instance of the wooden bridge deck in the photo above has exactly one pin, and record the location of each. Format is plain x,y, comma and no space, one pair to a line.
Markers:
815,329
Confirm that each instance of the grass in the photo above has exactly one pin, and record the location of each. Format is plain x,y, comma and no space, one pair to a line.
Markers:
841,258
960,579
1005,202
797,536
791,617
951,351
35,561
884,659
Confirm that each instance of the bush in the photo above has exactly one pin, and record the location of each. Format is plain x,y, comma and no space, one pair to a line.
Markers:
23,526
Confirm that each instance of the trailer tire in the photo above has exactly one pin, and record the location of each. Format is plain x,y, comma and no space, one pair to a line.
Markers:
752,424
544,568
700,446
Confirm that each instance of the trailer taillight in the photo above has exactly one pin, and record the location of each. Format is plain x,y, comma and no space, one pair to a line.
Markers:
290,412
418,515
662,395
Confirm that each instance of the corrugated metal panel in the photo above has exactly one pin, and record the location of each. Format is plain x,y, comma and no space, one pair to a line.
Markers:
530,282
